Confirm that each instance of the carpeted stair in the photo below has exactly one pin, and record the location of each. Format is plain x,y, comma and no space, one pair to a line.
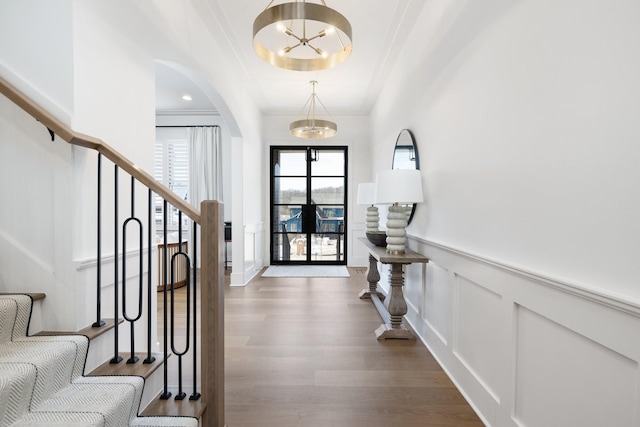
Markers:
42,382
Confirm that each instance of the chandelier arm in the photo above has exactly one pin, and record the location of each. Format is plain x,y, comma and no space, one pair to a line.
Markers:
315,49
316,36
291,34
288,49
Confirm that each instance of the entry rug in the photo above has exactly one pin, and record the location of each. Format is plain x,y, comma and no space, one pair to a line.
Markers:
306,271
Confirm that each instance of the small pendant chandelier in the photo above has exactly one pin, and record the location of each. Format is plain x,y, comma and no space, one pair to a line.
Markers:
304,37
311,127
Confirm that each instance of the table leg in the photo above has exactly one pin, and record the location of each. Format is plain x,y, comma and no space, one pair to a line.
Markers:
373,277
397,309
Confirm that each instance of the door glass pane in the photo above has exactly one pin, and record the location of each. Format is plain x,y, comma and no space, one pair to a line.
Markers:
290,190
297,247
328,163
331,219
289,247
327,190
287,218
327,247
289,163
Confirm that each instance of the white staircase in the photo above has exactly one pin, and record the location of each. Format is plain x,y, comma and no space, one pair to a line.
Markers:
42,381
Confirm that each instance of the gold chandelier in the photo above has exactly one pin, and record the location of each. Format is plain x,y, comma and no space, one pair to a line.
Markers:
311,127
304,37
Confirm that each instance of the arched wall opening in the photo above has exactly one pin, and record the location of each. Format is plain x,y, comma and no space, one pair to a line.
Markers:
210,111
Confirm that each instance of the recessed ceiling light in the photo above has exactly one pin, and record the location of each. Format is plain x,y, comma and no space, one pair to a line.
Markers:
187,97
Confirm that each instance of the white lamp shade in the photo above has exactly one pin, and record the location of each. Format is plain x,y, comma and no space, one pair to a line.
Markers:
402,186
366,193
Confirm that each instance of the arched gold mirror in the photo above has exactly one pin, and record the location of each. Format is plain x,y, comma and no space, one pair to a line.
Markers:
405,156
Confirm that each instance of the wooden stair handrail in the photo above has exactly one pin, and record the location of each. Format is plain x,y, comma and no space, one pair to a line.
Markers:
75,138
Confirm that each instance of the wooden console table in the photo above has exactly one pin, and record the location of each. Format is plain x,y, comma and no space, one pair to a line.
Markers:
392,327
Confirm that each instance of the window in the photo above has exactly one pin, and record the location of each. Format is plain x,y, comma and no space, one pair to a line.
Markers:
171,167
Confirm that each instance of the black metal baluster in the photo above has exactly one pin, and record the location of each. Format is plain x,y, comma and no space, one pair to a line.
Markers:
166,394
133,358
181,394
150,358
195,395
99,322
116,357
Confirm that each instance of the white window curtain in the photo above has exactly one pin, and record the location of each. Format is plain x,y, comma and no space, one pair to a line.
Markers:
205,164
205,168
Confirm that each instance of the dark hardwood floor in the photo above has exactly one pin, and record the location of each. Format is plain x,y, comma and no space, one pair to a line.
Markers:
302,352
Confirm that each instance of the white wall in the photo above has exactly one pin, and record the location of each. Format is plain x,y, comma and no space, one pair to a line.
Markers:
36,184
524,114
36,47
37,174
525,124
98,76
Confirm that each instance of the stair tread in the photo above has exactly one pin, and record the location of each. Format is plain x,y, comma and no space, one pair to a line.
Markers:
172,407
36,296
139,369
90,331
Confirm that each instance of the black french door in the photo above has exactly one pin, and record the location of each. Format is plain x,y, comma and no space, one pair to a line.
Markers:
308,205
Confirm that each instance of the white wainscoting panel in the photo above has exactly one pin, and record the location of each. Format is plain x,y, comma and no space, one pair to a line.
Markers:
357,253
86,294
253,255
478,330
566,379
413,274
526,350
438,292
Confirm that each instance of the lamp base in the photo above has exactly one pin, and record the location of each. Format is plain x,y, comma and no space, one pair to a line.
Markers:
373,219
396,229
395,252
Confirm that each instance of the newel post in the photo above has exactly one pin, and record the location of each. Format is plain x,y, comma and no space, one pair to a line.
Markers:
212,312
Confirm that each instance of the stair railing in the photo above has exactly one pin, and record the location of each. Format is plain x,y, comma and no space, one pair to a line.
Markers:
210,222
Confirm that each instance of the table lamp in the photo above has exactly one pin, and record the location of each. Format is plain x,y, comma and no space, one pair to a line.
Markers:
367,196
398,187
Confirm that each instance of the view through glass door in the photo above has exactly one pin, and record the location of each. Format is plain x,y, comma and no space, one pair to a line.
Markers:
308,205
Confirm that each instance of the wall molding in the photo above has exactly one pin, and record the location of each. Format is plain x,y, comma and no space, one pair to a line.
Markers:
92,262
580,290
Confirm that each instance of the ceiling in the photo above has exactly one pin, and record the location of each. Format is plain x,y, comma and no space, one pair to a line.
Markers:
380,28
